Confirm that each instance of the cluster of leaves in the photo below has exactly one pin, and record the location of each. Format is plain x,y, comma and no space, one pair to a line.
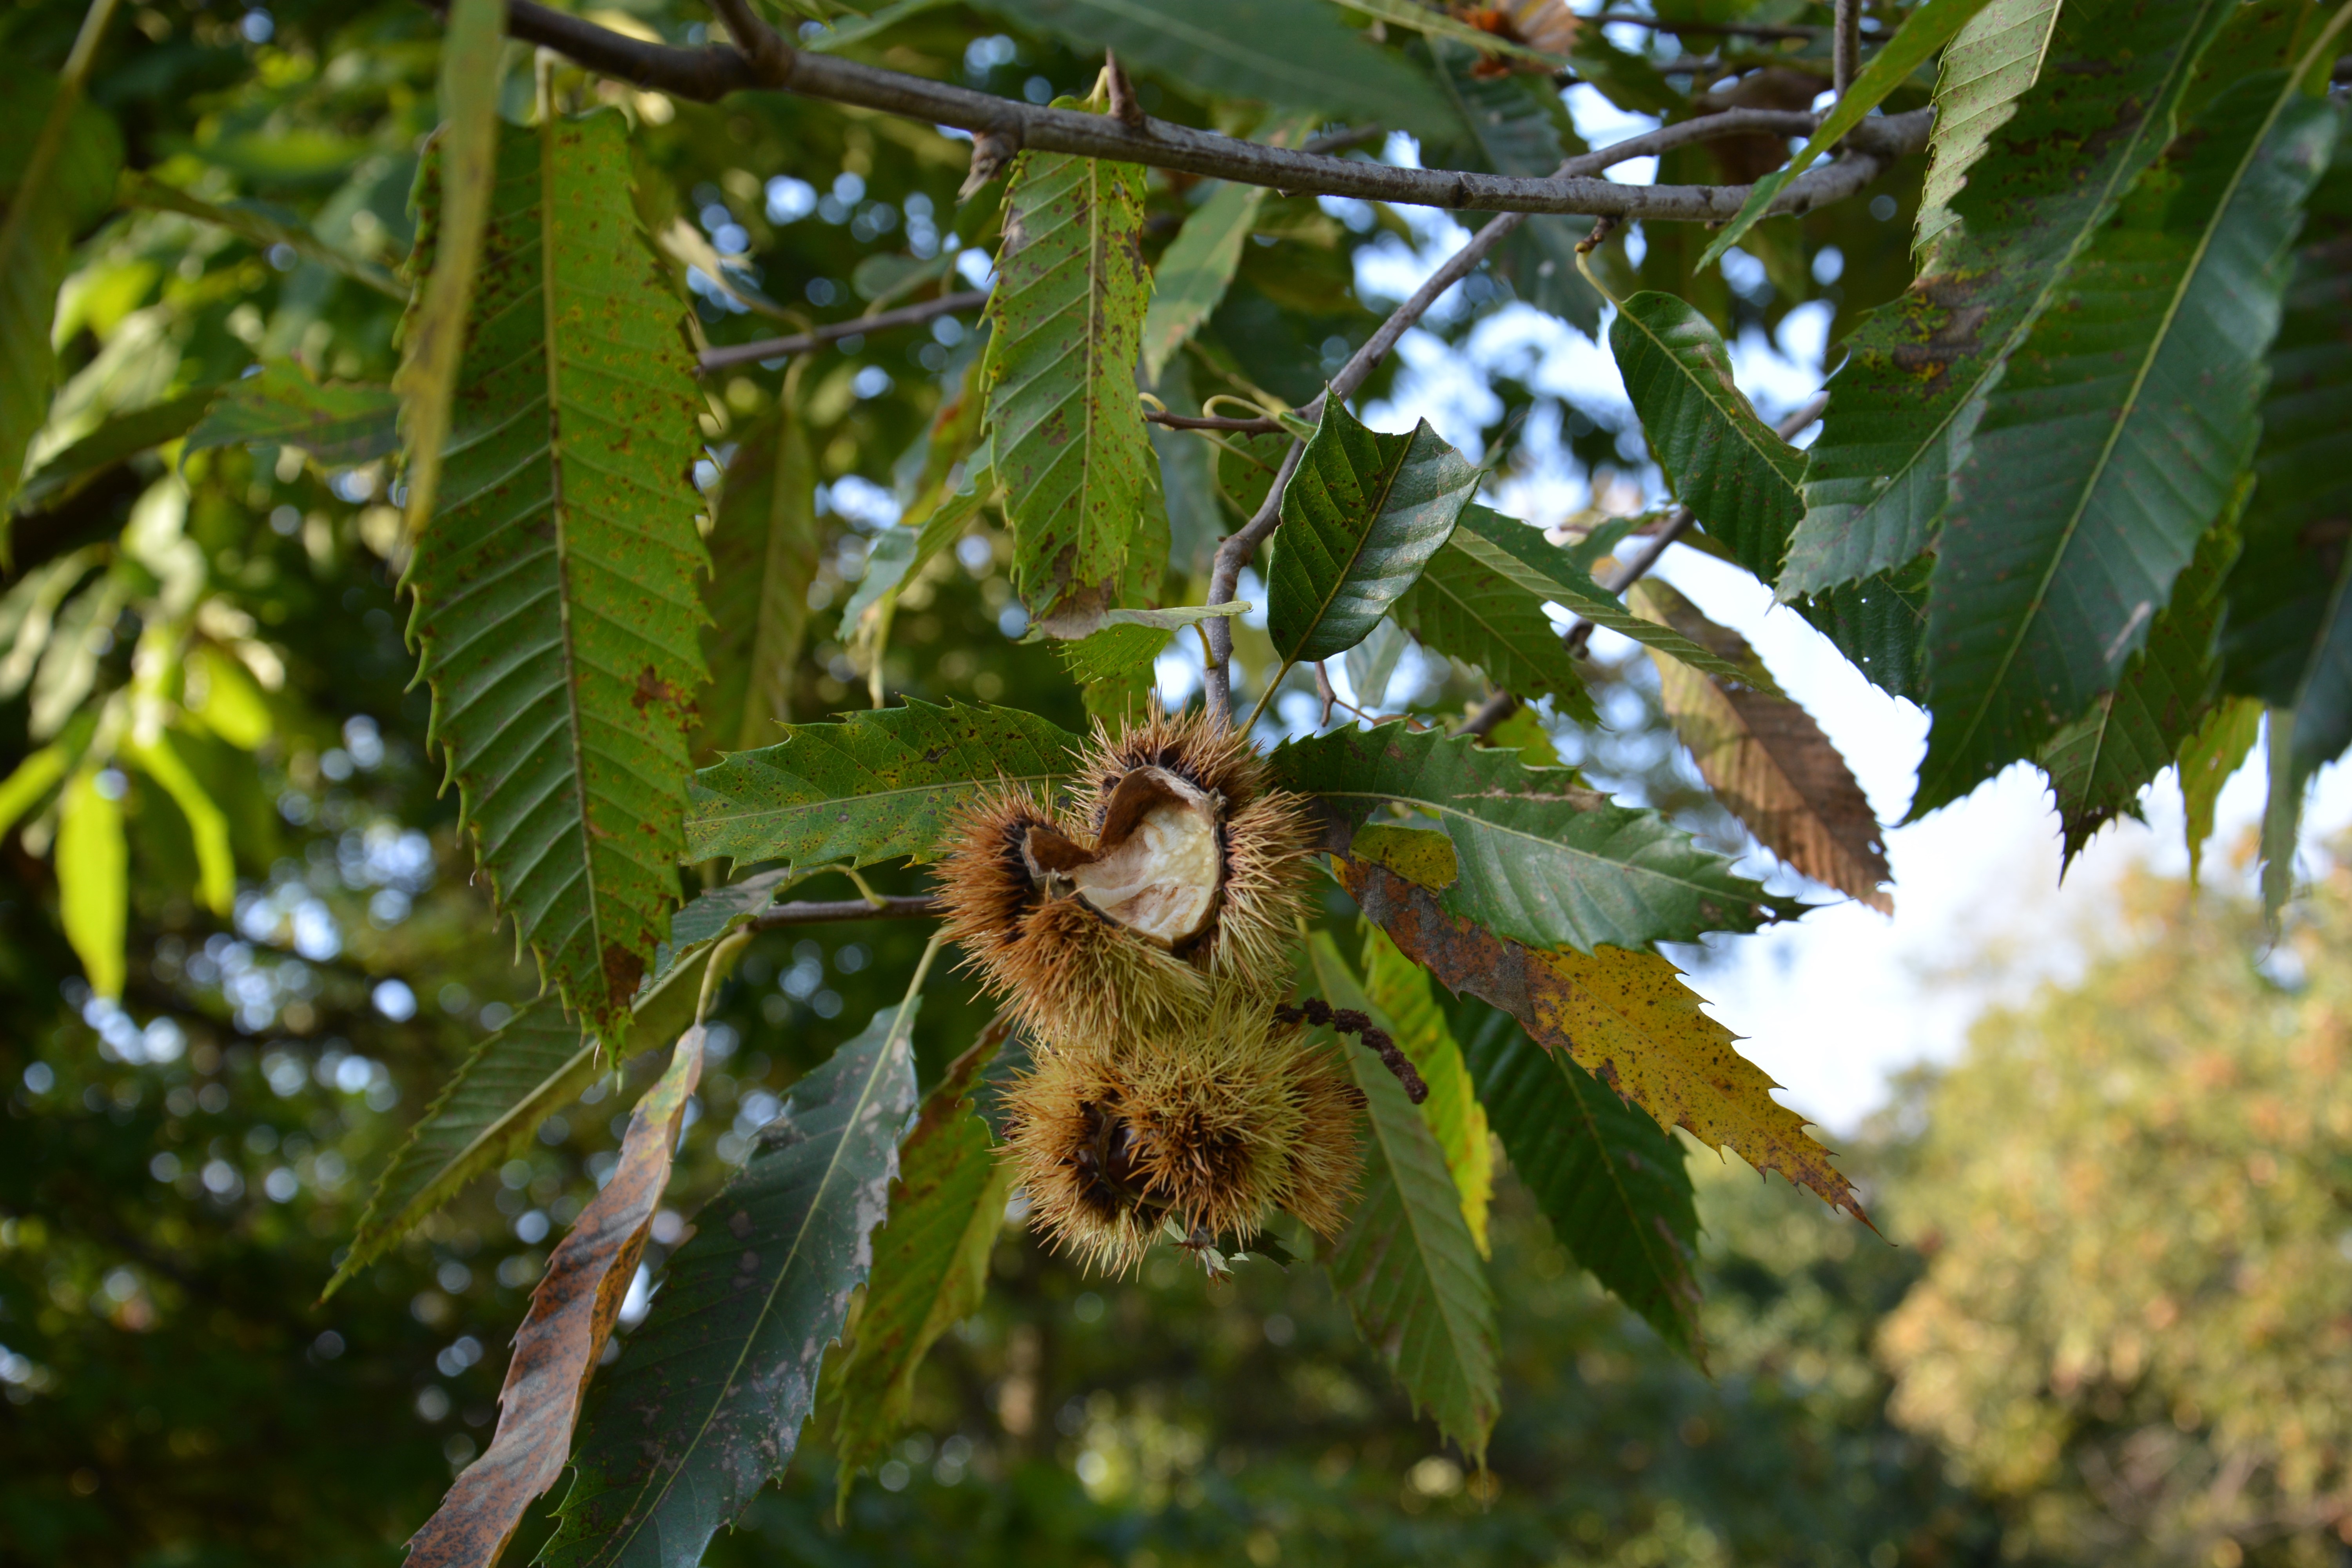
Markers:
613,573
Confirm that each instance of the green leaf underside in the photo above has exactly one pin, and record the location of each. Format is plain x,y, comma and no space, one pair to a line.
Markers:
2099,763
338,426
1522,554
763,553
1113,653
1406,1264
873,786
1362,517
1295,53
1067,317
1900,412
1922,32
1989,62
38,228
1540,861
2209,758
1467,611
1195,270
1520,126
122,437
1400,989
931,1262
1613,1183
1733,470
2289,635
706,1403
2114,438
531,1067
557,587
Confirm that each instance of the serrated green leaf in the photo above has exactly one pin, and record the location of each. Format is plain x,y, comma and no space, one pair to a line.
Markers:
1880,623
58,160
558,606
1195,272
529,1069
706,1401
1360,517
1406,1264
1400,989
94,864
1520,126
1614,1184
1466,610
763,555
260,227
1902,409
1922,32
463,167
2209,758
1520,553
872,787
2115,436
1295,53
207,826
119,438
1119,657
931,1260
1991,61
1733,470
1541,861
1067,422
337,424
2288,638
2098,764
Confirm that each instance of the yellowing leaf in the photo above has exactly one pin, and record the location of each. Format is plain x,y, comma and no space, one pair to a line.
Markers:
562,1337
33,779
2208,759
1766,759
1625,1017
1420,855
223,694
93,880
1401,990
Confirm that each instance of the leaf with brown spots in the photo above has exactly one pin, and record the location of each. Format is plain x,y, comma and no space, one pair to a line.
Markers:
1765,758
563,1336
1625,1017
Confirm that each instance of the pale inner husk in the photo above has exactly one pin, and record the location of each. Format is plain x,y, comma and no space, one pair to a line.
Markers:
1160,867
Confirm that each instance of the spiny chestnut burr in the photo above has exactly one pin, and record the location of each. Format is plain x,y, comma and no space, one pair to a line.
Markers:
1211,1131
1176,872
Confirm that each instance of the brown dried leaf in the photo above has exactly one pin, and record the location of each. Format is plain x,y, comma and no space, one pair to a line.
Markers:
1766,759
562,1337
1625,1017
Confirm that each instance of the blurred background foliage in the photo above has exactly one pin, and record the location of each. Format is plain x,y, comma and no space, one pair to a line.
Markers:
2053,1358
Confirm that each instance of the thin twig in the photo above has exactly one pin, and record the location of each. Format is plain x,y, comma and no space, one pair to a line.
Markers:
801,343
1207,422
1845,46
1348,1021
825,911
714,71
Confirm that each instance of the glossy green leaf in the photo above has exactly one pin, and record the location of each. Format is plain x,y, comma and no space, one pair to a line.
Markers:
2099,763
2208,758
1297,53
1466,610
2288,639
706,1401
872,787
1922,32
1195,272
557,592
2116,436
1612,1183
1901,410
338,426
931,1261
93,880
1360,517
1990,62
1541,861
763,555
1733,470
58,160
1067,316
468,159
1406,1264
529,1069
1400,989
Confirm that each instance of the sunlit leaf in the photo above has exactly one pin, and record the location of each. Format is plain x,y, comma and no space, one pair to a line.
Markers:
1400,989
2208,758
1195,272
93,880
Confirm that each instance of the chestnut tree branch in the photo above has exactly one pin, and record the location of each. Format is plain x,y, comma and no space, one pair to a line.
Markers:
904,316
